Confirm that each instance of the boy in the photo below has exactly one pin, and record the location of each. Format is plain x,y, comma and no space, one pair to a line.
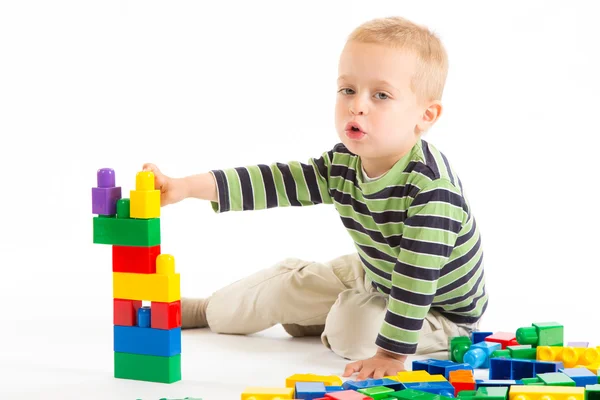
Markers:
417,277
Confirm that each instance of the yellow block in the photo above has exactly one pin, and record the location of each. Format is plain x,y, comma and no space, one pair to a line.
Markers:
570,356
549,353
419,376
266,393
164,286
525,392
328,380
144,200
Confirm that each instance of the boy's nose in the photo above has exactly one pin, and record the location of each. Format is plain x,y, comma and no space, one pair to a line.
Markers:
358,107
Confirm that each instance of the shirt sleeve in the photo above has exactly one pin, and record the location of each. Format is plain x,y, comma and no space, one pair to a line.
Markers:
433,221
263,186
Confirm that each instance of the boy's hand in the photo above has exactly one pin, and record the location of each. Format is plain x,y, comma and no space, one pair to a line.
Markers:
172,190
381,364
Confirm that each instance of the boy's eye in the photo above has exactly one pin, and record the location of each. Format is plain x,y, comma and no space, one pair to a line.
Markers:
383,96
346,91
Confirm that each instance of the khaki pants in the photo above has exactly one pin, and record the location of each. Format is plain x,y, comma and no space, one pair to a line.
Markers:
334,300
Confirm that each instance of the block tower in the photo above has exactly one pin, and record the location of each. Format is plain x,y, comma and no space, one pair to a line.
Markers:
147,338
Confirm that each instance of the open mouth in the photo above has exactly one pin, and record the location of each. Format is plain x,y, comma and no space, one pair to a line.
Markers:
354,128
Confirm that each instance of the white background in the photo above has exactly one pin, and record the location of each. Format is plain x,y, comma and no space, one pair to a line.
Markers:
194,86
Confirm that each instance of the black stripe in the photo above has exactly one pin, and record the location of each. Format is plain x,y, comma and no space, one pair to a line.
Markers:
422,169
341,148
380,287
430,160
289,184
320,163
222,188
389,216
399,321
375,270
246,185
435,249
470,307
349,200
462,319
416,299
439,195
377,254
460,184
397,347
269,182
447,164
345,173
460,282
467,236
462,260
397,191
423,274
310,175
429,221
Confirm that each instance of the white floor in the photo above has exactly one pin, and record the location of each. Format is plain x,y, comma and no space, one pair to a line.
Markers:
65,360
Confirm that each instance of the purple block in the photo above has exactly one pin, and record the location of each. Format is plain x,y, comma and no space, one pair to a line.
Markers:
106,195
578,344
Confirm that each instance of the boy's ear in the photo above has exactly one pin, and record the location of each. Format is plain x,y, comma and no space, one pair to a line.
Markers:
430,115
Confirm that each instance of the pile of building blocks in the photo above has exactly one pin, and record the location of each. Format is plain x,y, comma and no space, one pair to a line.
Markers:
531,364
147,337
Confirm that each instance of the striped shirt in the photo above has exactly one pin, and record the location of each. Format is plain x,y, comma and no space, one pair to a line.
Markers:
412,227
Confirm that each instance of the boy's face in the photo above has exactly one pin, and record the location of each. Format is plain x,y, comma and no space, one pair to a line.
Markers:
375,96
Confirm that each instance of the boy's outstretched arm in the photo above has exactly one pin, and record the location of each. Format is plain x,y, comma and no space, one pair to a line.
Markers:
433,221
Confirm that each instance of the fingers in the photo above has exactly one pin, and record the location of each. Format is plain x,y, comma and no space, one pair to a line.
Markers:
159,178
365,372
381,372
352,368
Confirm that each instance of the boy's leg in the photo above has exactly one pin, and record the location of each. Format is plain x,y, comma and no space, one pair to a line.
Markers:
295,293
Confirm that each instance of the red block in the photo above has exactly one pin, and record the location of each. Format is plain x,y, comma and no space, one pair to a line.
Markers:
504,338
346,395
135,259
125,311
165,315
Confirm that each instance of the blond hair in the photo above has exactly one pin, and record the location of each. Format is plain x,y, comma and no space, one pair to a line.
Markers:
432,59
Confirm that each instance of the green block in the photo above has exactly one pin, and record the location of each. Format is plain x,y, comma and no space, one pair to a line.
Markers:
592,392
500,354
127,231
141,367
377,392
459,345
529,381
523,352
541,334
491,393
412,394
556,379
467,394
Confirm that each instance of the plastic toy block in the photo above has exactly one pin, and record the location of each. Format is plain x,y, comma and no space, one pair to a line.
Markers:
143,317
504,338
328,380
147,368
411,394
541,367
578,344
346,395
126,232
267,393
500,368
135,259
569,356
164,286
531,381
496,383
440,388
377,392
125,312
147,341
592,392
500,353
491,393
467,394
367,383
422,365
459,345
541,334
443,367
419,376
334,389
478,355
145,200
581,376
165,315
309,390
477,336
462,380
525,352
106,194
556,379
527,392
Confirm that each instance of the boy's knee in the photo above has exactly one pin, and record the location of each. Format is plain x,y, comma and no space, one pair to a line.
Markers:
353,323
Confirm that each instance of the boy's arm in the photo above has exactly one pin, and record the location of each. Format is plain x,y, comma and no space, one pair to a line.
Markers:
263,186
433,222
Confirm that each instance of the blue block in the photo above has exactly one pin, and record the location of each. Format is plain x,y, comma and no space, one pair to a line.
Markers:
423,365
477,337
523,369
309,390
330,389
443,388
581,376
478,355
500,368
443,367
496,383
543,367
143,317
148,341
368,383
